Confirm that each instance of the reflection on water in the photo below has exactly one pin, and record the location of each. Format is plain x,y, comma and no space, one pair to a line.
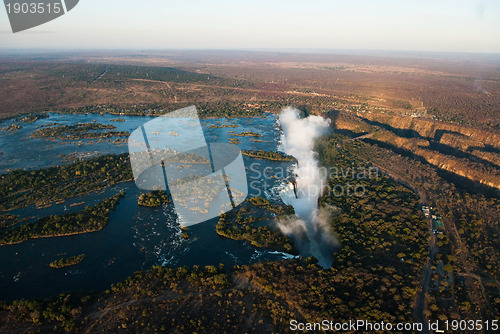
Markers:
135,237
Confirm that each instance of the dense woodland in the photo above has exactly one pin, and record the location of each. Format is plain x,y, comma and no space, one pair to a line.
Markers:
255,221
154,198
20,188
8,220
90,219
470,244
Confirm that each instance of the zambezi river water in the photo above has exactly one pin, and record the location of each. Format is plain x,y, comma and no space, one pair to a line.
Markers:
136,237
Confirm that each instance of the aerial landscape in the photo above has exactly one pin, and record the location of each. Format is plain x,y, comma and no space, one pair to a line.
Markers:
372,191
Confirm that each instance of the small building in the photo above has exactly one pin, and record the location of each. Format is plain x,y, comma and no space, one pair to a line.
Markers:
437,226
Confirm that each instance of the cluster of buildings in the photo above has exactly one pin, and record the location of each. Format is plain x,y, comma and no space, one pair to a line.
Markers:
437,223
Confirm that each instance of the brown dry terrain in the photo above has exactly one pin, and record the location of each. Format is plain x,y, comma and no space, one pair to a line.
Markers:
458,88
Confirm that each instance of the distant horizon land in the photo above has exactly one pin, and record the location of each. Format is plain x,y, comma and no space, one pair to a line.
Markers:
312,51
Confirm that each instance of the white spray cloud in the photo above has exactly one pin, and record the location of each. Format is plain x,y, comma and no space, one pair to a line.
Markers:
310,229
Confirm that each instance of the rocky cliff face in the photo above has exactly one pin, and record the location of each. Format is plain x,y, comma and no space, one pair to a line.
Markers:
468,152
453,134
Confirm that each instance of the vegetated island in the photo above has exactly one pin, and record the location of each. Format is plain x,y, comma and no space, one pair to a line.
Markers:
8,220
154,198
248,134
173,157
66,262
185,234
90,219
21,188
79,131
30,118
251,221
219,126
27,118
268,155
11,128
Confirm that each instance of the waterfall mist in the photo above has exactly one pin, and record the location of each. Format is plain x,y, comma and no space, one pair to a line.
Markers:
309,228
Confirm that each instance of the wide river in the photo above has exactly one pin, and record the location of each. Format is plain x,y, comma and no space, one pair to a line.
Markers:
136,237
